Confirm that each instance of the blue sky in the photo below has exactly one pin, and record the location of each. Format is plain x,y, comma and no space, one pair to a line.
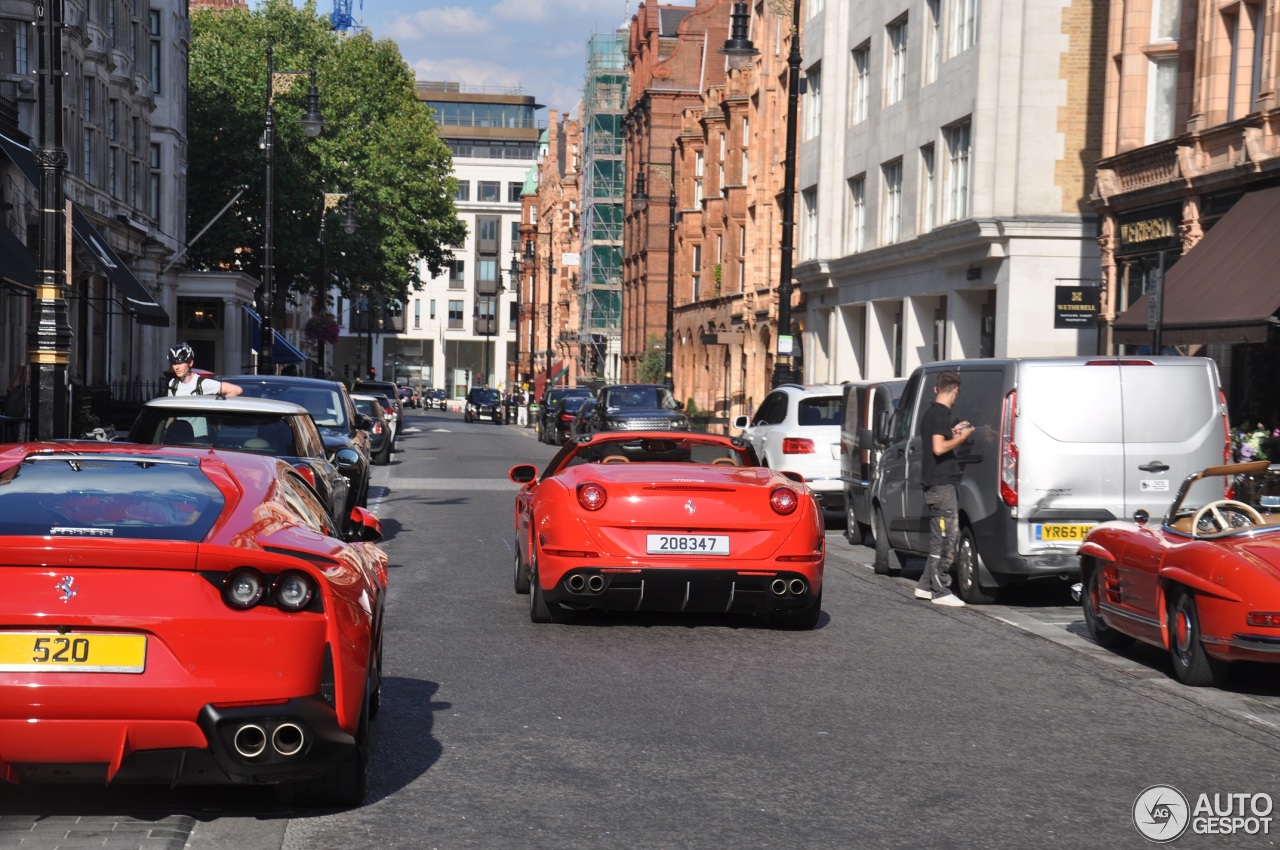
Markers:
540,45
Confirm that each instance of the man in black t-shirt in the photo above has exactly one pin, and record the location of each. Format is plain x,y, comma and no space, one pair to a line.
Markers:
940,475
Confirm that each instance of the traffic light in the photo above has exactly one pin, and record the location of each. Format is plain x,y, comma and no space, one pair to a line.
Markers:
373,373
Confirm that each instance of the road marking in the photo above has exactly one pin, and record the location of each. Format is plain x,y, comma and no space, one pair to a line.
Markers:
455,484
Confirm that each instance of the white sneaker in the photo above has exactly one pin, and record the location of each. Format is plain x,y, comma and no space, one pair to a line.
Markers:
923,594
950,600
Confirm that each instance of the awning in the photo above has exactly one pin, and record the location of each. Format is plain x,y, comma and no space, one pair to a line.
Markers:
1225,289
17,263
130,292
282,351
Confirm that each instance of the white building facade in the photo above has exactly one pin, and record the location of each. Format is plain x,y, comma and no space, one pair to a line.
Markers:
944,161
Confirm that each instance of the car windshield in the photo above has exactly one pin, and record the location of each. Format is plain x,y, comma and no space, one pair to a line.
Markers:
369,407
820,410
639,398
263,433
325,405
573,402
650,450
1252,491
77,495
486,397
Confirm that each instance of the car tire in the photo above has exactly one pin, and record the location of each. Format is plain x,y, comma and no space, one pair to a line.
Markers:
522,575
1191,664
1102,634
970,590
855,532
887,562
539,610
798,619
384,456
466,417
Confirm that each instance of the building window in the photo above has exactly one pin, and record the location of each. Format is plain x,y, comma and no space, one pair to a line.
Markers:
891,217
457,270
861,84
1166,20
964,34
490,192
896,57
431,309
455,315
856,220
1162,98
464,191
813,102
153,21
86,145
932,40
487,270
487,233
958,143
928,189
699,169
153,183
810,233
742,258
21,59
417,312
514,191
696,273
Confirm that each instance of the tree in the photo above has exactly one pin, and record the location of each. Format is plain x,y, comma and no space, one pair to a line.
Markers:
379,144
652,368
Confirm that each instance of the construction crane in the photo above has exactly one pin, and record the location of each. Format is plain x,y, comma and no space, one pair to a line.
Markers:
340,19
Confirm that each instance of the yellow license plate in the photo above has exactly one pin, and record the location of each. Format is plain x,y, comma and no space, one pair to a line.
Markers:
49,652
1055,532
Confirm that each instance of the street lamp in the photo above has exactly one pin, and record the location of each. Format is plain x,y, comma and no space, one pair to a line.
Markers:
550,294
739,46
278,82
640,196
331,200
517,269
531,257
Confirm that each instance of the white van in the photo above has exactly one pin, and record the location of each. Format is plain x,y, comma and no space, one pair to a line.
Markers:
1061,444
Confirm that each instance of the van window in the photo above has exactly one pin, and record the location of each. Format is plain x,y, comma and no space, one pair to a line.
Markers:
902,424
1064,401
981,399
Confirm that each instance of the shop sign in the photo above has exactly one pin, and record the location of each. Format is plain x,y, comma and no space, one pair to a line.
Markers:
1148,230
1075,307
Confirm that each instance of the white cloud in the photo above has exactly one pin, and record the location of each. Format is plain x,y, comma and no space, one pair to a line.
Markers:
427,23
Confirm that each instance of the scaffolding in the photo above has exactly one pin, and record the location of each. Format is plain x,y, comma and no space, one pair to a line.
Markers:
603,195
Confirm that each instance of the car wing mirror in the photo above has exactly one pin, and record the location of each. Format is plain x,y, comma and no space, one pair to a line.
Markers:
368,529
794,476
523,474
866,439
741,423
364,422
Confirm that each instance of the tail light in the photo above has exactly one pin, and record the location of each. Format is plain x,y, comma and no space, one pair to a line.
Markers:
566,417
306,472
243,588
784,500
797,446
1226,428
377,428
592,496
293,591
1009,452
1267,619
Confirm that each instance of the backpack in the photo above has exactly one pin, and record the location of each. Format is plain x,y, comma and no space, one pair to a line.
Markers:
173,385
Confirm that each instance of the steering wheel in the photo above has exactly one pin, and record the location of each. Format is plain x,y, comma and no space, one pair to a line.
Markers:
1216,509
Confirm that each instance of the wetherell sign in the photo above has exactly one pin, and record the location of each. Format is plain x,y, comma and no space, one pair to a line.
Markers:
1075,307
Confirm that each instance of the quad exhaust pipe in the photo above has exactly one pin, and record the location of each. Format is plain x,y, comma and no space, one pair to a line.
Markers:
250,740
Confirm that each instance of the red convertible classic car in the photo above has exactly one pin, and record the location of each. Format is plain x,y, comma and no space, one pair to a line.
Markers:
656,521
1205,583
183,615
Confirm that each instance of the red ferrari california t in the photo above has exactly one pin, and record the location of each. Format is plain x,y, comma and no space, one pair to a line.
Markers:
1204,583
183,615
657,521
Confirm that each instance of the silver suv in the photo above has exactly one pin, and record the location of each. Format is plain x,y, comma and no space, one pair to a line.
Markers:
797,429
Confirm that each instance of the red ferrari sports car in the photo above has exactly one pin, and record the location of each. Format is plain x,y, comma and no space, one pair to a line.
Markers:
1205,583
655,521
183,615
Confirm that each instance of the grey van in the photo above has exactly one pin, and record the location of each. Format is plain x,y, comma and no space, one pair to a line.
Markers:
866,408
1060,445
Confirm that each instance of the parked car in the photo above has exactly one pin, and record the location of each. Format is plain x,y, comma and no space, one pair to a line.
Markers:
214,625
543,420
483,403
389,416
435,399
1061,444
866,408
563,413
383,426
386,388
636,407
409,397
581,423
661,521
1204,584
277,428
797,429
344,431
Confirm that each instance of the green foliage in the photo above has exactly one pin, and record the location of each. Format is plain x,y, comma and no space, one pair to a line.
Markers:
652,368
379,144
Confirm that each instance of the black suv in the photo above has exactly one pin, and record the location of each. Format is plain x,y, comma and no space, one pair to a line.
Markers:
344,431
549,400
483,403
637,407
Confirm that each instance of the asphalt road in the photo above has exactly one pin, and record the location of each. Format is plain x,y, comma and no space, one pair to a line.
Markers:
895,723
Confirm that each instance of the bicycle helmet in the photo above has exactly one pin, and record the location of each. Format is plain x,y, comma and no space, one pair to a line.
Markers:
181,353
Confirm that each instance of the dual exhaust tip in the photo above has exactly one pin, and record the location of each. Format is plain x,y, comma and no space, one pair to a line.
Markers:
783,587
578,582
251,740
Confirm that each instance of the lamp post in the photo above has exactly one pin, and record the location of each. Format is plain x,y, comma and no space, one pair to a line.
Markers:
531,260
640,196
48,333
550,294
331,200
739,45
278,82
517,269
